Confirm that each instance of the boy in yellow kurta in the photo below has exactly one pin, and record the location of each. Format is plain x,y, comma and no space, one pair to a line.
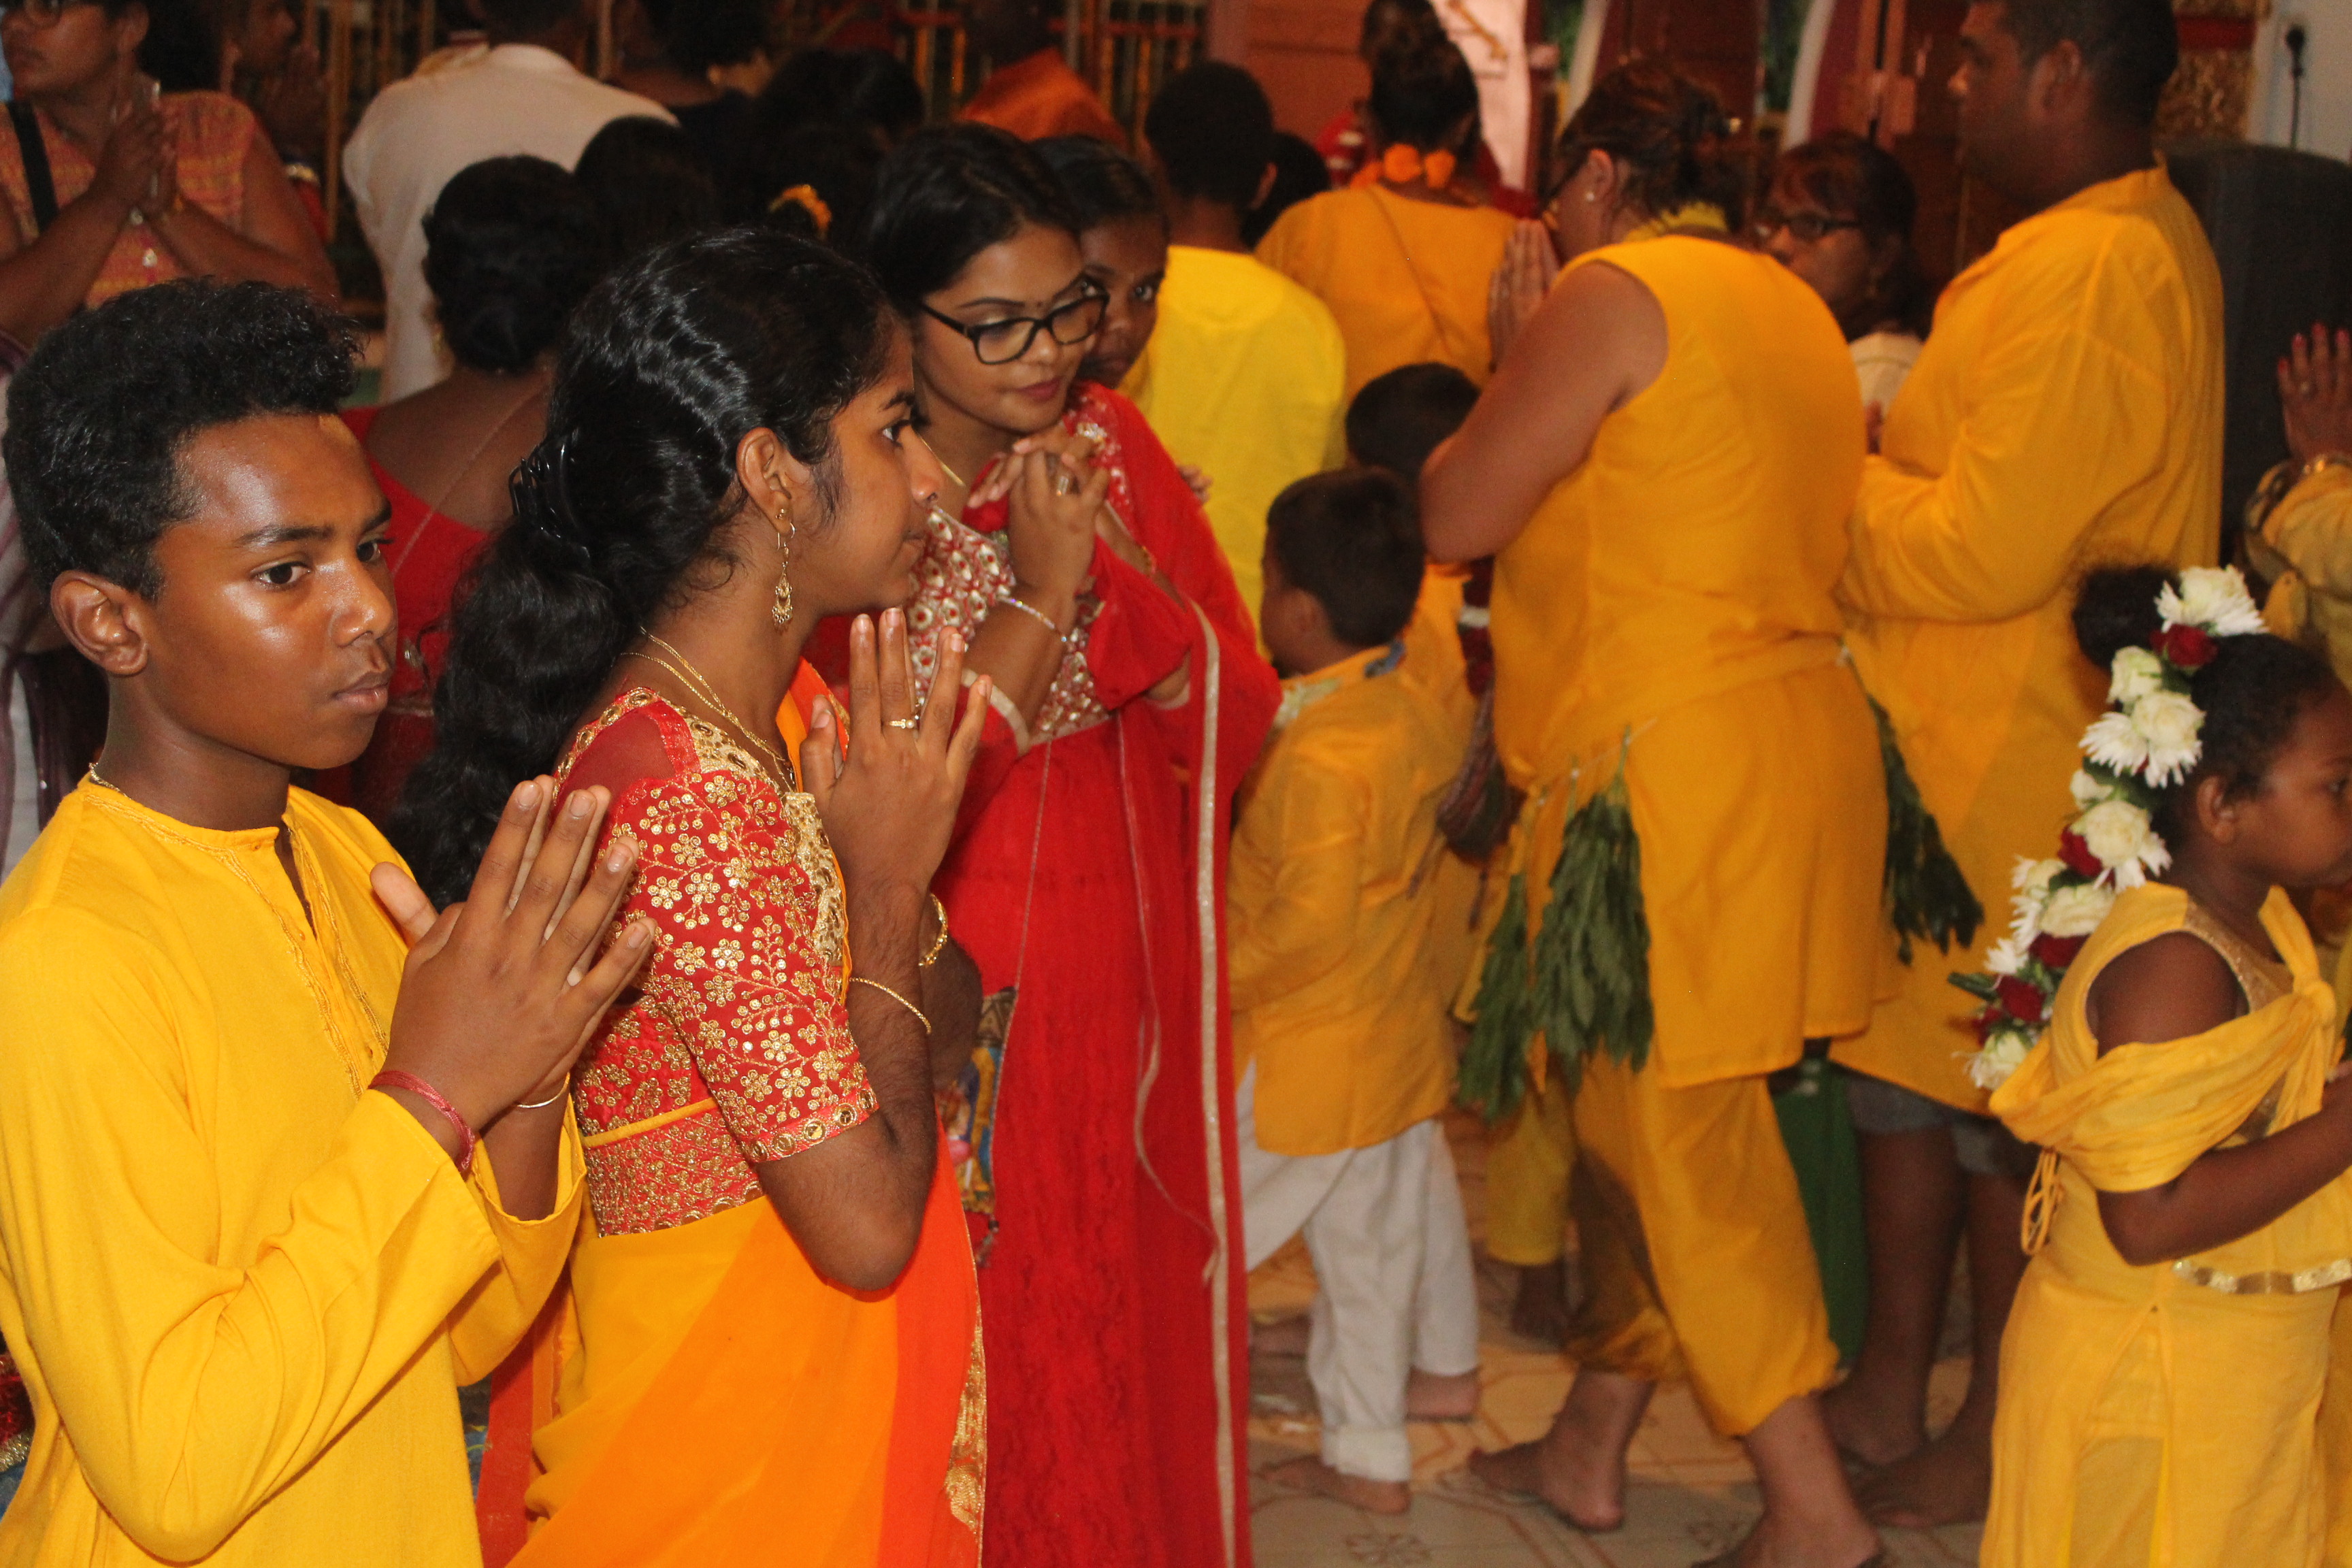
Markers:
1243,376
2066,412
252,1234
1339,993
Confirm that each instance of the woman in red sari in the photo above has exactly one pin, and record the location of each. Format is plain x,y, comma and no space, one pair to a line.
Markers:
769,1348
512,244
1093,1128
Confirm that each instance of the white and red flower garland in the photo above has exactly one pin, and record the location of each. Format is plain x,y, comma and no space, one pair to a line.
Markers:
2148,739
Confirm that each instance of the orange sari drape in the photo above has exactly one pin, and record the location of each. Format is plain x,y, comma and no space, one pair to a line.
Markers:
700,1395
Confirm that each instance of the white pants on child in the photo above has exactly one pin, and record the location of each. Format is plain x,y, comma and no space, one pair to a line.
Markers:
1392,1252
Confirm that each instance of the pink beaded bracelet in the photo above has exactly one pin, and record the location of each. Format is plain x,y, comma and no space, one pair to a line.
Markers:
467,1138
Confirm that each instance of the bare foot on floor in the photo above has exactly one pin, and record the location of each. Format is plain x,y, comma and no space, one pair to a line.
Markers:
1310,1474
1866,1429
1436,1397
1284,1336
1585,1494
1540,1310
1947,1482
1766,1548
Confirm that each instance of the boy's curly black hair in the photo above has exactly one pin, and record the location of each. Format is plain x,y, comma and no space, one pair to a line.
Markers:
99,415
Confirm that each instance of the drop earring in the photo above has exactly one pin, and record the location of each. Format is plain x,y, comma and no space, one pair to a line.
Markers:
780,610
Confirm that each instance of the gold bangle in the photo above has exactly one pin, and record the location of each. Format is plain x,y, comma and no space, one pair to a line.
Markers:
910,1006
1040,616
543,1104
938,943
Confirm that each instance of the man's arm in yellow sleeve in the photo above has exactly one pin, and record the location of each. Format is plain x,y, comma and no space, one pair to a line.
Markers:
2066,424
2312,530
195,1389
532,1254
1306,822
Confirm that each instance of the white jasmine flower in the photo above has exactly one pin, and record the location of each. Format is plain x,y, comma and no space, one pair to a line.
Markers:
2212,597
2007,956
2001,1057
2112,742
2088,789
2136,672
2077,911
2126,841
2034,875
2169,723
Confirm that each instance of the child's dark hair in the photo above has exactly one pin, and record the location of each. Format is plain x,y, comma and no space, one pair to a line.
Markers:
622,510
101,415
1211,129
1351,539
1399,416
2252,693
511,245
1104,184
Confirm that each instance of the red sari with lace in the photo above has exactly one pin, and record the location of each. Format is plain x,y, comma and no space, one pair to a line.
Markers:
428,552
1094,1131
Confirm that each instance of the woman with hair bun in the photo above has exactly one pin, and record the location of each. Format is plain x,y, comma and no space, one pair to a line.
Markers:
512,244
1094,1123
771,1349
1665,461
2158,1026
1404,261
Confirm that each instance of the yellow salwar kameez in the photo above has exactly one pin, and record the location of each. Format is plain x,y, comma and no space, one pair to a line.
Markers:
243,1290
2167,1415
2065,414
1405,279
1669,606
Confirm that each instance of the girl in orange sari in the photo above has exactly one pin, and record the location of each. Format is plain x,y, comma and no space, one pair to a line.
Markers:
770,1347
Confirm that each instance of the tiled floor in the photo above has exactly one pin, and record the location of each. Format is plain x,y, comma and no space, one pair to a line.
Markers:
1692,1494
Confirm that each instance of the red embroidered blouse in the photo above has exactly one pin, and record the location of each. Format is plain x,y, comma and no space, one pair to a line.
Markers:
735,1047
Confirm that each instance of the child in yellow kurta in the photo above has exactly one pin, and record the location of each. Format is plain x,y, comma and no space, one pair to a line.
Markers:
1339,993
243,1270
2192,1222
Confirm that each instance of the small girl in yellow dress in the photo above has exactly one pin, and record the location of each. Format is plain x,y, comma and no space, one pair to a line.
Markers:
2190,1221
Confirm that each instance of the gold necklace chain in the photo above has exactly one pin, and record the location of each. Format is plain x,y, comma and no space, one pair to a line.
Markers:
698,685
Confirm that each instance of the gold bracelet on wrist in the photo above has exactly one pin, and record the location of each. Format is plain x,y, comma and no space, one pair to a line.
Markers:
938,943
910,1006
543,1104
1040,616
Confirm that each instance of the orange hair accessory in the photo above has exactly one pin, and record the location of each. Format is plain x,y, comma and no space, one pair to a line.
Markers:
807,200
1401,165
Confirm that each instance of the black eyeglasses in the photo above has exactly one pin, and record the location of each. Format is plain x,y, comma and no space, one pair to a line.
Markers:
1809,228
1002,341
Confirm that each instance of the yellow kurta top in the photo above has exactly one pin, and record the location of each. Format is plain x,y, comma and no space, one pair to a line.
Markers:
2067,413
1339,987
1246,379
243,1292
2175,1403
1677,586
1405,279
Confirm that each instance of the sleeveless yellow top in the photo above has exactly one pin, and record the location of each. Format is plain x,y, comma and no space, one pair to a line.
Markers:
1695,547
1671,597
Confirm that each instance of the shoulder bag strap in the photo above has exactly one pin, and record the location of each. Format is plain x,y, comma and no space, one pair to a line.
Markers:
36,153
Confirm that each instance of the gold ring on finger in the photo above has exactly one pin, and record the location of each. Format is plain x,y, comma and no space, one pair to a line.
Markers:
905,723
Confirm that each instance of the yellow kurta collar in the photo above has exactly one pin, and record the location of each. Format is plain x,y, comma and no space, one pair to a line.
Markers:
1301,692
2125,192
